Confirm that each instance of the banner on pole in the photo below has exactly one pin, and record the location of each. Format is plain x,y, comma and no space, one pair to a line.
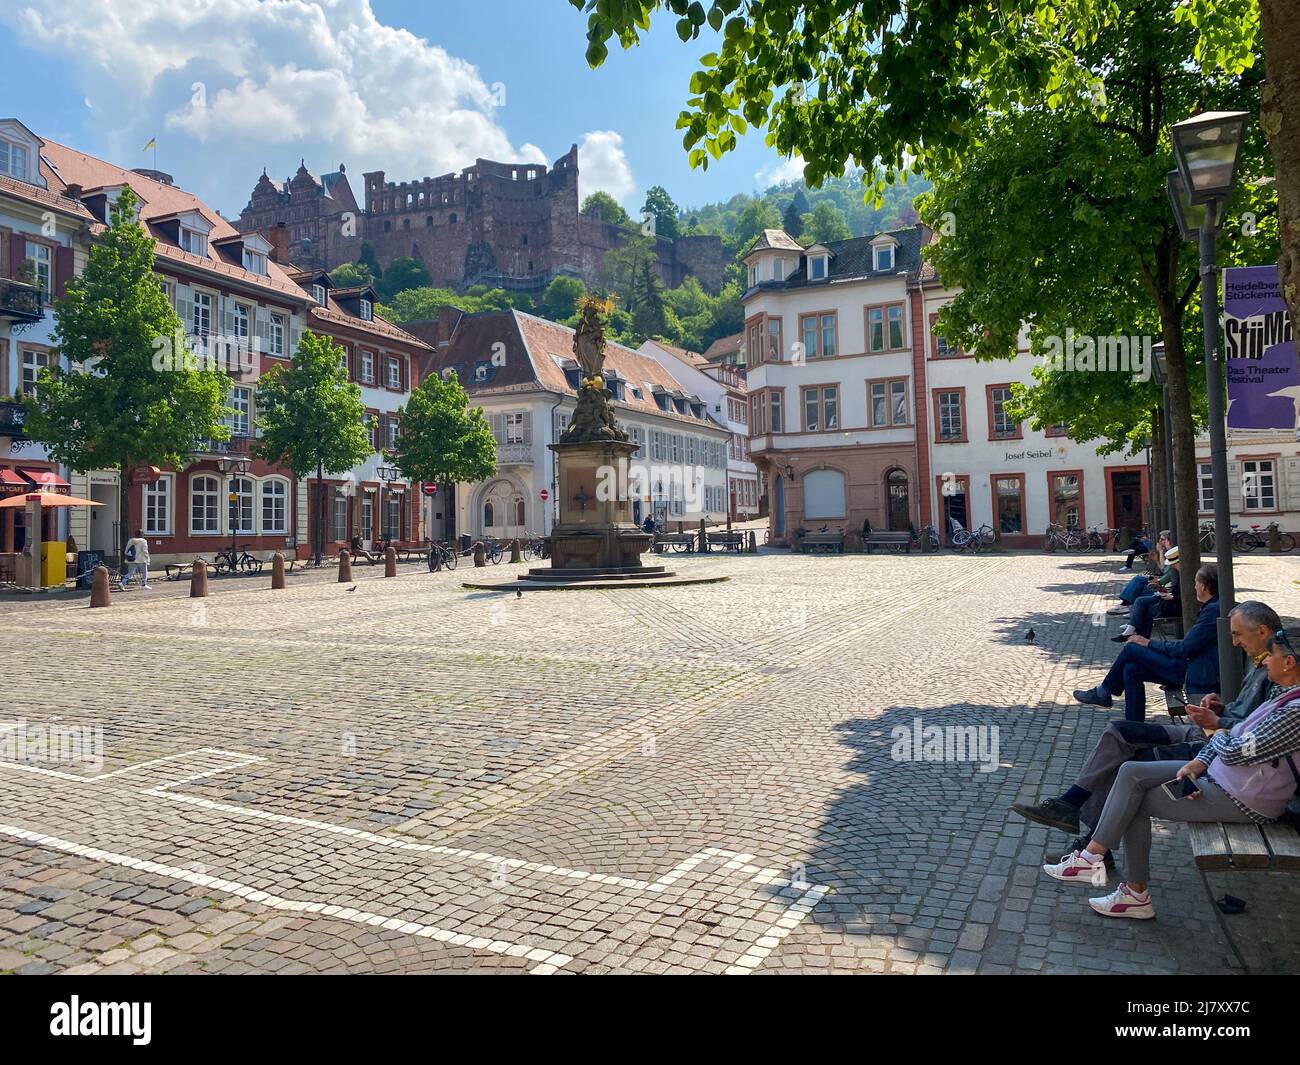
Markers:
1259,351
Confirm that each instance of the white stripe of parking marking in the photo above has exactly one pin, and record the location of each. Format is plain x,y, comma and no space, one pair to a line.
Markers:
80,778
545,961
765,944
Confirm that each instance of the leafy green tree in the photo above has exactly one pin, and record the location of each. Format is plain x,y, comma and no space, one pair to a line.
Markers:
826,223
660,204
757,216
135,394
402,274
444,440
646,302
626,265
1059,219
561,298
420,304
311,418
370,261
606,208
792,221
349,275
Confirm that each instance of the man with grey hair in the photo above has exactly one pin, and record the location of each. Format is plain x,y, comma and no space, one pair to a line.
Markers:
1253,626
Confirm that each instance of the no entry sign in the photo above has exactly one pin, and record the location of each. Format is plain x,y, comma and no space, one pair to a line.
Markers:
545,495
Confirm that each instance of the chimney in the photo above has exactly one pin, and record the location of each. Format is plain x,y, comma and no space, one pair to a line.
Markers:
448,319
73,192
279,238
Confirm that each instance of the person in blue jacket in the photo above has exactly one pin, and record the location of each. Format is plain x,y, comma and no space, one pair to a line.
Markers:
1191,663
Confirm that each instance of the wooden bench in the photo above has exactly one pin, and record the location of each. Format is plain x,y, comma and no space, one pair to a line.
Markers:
678,541
726,541
824,541
1220,845
408,554
892,541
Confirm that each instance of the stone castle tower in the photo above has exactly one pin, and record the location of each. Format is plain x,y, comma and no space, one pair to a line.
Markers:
507,225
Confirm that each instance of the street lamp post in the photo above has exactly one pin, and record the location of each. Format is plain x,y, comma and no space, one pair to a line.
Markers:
1206,149
1161,368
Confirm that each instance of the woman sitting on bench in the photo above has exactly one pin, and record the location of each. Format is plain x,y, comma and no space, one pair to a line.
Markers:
1243,775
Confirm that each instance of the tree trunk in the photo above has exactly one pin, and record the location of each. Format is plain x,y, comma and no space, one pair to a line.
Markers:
123,512
1160,516
1184,440
1280,119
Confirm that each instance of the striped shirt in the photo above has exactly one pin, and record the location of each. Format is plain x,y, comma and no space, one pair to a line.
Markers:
1273,738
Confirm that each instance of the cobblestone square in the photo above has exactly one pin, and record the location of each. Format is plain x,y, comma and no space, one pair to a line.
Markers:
413,777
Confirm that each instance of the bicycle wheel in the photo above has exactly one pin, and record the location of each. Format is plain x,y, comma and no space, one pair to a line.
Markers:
961,538
681,548
1285,542
1243,542
248,564
526,549
494,555
432,558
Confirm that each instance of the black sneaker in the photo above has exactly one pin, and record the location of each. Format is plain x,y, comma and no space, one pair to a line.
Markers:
1094,697
1050,812
1082,841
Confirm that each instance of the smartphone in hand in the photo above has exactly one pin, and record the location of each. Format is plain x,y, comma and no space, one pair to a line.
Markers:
1180,789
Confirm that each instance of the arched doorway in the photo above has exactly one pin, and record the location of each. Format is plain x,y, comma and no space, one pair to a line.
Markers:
899,500
501,511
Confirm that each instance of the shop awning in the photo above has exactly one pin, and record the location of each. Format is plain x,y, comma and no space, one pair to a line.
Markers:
45,480
12,484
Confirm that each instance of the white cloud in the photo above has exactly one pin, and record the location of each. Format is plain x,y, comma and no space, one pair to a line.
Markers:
780,172
603,166
326,81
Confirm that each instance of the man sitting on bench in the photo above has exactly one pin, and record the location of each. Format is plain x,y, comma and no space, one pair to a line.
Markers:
1253,626
1244,775
1193,660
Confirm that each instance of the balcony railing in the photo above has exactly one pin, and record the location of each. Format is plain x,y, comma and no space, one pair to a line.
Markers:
20,301
236,445
13,416
514,454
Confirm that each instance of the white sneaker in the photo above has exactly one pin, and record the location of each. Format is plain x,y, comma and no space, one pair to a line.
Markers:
1122,902
1074,869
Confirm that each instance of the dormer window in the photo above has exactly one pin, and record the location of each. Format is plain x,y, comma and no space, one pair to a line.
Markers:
884,257
254,262
13,160
367,312
318,293
194,242
817,267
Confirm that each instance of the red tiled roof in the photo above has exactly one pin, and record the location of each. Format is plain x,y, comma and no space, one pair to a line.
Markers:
723,347
51,197
691,358
163,201
333,314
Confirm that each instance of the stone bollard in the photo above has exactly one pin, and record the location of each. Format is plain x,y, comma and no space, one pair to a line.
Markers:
1274,540
480,554
390,562
277,571
753,542
99,593
515,555
703,539
199,580
345,568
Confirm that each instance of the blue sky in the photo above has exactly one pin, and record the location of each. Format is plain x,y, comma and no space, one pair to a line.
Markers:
414,88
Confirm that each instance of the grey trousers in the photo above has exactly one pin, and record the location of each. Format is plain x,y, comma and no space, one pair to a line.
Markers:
1122,742
1137,797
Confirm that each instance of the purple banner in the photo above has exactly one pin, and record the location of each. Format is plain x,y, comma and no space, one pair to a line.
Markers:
1260,352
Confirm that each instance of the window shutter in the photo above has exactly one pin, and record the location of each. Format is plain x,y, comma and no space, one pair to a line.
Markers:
228,316
1235,501
185,310
528,427
402,362
62,270
6,239
295,335
17,254
262,329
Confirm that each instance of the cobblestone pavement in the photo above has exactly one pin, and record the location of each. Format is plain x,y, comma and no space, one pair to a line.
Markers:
413,777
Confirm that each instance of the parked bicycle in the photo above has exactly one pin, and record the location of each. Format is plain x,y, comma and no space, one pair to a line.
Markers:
1258,536
492,550
229,559
975,539
1205,536
1059,538
440,552
1100,538
928,536
536,547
